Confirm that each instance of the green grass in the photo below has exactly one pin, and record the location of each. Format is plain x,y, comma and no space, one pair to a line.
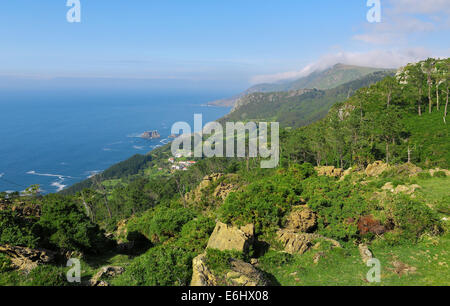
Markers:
344,267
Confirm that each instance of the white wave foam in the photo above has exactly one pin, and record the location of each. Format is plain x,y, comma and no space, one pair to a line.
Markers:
58,186
138,147
60,176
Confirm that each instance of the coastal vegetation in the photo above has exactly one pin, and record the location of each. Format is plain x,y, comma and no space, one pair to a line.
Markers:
362,164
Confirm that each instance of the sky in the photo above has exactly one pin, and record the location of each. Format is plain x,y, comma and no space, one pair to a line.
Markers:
228,43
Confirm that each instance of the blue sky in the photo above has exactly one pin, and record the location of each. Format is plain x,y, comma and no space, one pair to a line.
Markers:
234,42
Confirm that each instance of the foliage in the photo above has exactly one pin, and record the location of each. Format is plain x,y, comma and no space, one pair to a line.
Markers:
16,230
414,218
63,225
161,223
263,203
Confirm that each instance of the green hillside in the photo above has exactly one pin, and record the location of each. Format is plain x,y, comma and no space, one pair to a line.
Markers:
296,108
329,78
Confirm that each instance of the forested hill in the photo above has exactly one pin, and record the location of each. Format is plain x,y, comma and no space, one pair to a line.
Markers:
332,77
299,107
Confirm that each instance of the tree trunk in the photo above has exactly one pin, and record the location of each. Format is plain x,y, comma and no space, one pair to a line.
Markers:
387,152
430,103
419,103
437,95
446,107
409,154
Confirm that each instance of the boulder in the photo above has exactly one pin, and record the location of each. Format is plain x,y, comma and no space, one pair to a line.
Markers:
329,171
108,271
245,274
302,220
406,189
25,258
365,253
433,171
223,190
376,168
294,243
226,237
201,275
299,243
408,169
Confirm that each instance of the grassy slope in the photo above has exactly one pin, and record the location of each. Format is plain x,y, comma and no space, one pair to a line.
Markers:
431,257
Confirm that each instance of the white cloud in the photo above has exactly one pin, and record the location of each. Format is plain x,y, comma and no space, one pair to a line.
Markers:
402,19
376,58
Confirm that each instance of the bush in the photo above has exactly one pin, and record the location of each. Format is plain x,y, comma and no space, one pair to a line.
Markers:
443,206
335,203
163,265
424,175
16,230
440,174
65,226
5,263
162,223
275,259
263,203
219,261
414,218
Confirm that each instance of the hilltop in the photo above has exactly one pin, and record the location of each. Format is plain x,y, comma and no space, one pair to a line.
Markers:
329,78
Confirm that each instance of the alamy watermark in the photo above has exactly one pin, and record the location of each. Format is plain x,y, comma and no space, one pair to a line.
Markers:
374,274
235,133
374,14
74,13
74,274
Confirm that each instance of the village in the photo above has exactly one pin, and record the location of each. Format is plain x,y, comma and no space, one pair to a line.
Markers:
182,165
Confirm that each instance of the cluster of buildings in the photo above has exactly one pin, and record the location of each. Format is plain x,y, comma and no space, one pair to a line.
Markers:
180,165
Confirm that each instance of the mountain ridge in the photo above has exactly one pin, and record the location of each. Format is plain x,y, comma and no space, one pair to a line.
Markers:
329,78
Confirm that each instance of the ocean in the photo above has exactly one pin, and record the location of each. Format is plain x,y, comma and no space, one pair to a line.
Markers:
56,139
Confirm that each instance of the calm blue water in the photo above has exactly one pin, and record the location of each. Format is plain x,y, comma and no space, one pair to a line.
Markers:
57,139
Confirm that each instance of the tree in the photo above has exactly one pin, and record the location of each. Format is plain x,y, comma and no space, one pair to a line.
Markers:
428,68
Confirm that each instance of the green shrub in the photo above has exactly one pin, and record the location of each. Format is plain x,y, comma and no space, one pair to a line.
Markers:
65,226
275,259
335,202
16,230
219,261
414,218
263,203
5,263
443,206
440,174
424,175
161,223
163,265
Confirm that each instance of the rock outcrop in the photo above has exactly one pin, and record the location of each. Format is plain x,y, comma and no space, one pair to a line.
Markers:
294,243
302,220
226,237
365,253
25,258
108,271
329,171
201,275
299,243
376,168
244,274
407,189
433,171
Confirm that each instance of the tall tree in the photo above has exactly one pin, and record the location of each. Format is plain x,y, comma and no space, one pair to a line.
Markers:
428,67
